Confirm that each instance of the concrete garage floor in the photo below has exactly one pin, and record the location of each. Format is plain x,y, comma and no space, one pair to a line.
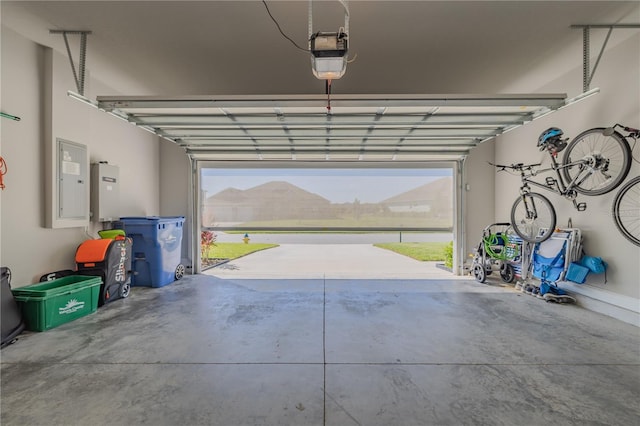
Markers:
237,350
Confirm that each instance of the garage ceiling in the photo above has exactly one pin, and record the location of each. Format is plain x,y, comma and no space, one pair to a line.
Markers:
163,50
354,128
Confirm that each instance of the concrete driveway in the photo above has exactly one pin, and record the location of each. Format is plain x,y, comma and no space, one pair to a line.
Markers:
329,261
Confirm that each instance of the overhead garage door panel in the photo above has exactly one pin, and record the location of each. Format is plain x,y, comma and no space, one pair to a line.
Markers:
355,127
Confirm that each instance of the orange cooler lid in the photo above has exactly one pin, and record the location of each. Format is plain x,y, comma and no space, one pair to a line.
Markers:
92,251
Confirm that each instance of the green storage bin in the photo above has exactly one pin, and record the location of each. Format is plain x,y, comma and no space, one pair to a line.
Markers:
52,303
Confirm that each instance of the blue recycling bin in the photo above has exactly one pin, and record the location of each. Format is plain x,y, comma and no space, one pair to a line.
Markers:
157,249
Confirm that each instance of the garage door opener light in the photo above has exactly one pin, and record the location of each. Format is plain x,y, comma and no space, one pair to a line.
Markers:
329,49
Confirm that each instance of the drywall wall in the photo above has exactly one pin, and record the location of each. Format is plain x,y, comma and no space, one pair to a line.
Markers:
175,197
617,102
28,248
478,191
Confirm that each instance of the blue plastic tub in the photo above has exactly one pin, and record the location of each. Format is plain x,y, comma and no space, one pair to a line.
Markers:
157,249
577,273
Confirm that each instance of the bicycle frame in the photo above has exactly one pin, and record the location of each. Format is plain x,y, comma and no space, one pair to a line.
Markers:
556,185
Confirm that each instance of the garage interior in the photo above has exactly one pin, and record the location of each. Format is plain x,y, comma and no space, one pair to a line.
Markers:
168,86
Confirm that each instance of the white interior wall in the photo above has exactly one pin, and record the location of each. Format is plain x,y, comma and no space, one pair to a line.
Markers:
478,192
175,196
27,247
617,102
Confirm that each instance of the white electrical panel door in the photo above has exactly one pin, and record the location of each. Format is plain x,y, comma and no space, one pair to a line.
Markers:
72,180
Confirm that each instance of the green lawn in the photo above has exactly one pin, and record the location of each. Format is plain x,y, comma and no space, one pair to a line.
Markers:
235,250
419,251
362,221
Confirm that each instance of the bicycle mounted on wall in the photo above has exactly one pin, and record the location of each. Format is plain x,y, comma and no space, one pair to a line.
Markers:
626,210
594,163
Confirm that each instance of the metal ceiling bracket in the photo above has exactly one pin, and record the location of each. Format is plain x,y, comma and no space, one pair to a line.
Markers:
587,74
346,18
80,73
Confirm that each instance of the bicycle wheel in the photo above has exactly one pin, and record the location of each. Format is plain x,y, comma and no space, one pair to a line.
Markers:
597,163
626,210
530,214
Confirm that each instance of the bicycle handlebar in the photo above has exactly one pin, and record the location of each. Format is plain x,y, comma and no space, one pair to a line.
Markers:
634,133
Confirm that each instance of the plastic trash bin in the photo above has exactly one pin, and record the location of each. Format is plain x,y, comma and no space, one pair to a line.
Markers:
157,249
52,303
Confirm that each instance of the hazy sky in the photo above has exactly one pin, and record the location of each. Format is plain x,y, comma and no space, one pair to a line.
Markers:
336,185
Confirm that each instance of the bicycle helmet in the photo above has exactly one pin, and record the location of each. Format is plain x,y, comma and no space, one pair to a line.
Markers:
551,139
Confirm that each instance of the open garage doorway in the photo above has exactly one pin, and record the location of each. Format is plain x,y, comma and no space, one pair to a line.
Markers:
317,207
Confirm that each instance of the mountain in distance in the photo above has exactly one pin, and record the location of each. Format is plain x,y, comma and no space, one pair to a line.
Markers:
435,197
283,191
269,201
440,190
230,195
281,200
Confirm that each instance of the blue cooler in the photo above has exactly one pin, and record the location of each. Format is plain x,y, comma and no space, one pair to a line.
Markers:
157,249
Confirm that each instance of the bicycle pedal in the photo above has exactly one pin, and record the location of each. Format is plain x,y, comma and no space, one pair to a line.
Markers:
581,207
551,181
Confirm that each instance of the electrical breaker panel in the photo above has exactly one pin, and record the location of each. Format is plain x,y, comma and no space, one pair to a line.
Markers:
105,192
72,180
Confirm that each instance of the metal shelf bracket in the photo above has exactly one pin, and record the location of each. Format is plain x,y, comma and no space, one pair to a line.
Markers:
587,74
80,73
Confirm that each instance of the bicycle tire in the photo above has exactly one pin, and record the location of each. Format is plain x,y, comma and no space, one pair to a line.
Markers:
614,148
531,213
626,210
